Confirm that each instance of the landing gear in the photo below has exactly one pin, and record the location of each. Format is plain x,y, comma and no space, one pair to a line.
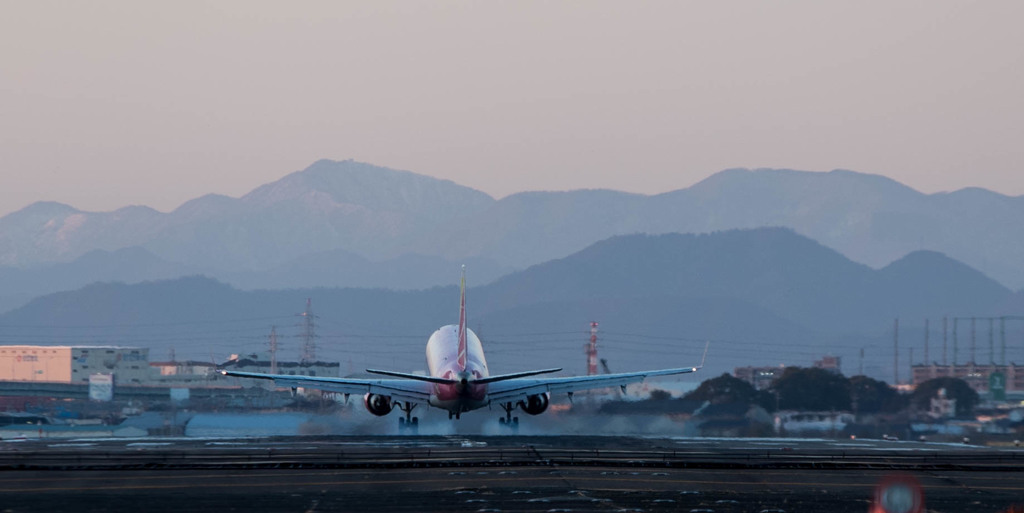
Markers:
408,422
508,420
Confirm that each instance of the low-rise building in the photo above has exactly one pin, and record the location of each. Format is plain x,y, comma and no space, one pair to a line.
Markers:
829,363
820,421
976,375
74,364
760,377
763,377
189,371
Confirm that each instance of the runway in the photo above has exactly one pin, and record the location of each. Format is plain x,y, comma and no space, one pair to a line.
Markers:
478,473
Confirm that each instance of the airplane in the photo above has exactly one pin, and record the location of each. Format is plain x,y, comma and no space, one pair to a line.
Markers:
459,380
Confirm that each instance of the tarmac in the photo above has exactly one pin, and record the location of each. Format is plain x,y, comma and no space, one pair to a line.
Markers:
497,473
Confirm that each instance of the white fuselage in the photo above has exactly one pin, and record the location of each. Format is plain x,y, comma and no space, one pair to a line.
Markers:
442,362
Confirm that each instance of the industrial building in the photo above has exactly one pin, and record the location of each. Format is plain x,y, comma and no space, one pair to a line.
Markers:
977,376
131,366
74,364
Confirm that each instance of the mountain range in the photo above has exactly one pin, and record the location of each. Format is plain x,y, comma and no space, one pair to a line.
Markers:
761,296
345,223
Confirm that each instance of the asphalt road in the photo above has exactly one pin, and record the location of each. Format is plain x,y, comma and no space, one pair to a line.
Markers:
418,474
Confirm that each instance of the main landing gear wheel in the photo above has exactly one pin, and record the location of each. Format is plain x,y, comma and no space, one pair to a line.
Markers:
408,422
508,420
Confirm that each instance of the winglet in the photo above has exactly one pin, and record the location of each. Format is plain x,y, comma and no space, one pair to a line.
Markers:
462,321
705,357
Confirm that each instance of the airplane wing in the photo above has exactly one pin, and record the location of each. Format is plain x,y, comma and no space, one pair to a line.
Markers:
404,389
515,389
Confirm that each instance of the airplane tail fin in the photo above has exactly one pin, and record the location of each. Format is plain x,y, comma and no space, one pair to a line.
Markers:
462,322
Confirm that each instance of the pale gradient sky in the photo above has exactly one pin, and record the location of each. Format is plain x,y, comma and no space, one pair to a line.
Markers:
105,104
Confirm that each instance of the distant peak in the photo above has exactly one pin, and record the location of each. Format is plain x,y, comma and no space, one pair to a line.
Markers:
353,182
976,192
136,209
927,260
46,208
782,177
205,204
354,167
933,264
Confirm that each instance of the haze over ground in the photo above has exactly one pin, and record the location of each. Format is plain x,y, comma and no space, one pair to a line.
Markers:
114,103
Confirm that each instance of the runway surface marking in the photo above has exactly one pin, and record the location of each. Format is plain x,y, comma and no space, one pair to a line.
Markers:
567,472
479,480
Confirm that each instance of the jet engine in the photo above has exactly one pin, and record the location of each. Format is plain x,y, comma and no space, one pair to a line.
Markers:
377,404
535,404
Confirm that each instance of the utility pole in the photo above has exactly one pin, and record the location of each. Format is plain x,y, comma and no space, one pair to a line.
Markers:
925,343
896,351
991,341
955,319
974,360
591,351
944,340
273,349
861,370
910,377
308,333
1002,340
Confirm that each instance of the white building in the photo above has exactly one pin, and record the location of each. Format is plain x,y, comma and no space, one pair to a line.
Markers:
821,421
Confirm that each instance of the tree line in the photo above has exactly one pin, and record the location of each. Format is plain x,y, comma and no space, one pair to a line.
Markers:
814,389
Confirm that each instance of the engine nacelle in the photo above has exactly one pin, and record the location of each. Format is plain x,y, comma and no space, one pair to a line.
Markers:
535,404
377,404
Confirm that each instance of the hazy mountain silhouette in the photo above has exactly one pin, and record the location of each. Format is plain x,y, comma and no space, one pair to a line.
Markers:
387,227
340,268
330,205
870,219
316,227
764,296
130,265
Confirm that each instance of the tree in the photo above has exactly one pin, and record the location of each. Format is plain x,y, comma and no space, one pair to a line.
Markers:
869,395
767,400
812,389
660,395
724,389
966,397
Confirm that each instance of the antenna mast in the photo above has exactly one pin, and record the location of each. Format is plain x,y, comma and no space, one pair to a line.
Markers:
308,333
273,349
591,351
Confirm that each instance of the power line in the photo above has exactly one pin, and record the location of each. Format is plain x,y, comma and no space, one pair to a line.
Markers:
147,325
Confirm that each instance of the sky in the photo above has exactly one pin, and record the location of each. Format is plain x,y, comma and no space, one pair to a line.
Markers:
106,104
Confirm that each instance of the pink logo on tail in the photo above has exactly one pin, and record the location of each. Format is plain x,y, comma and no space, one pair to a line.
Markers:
462,322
